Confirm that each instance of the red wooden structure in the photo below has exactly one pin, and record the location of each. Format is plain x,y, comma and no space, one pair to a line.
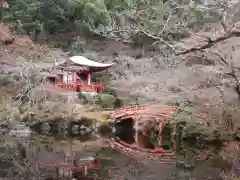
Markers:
159,114
158,154
76,75
80,166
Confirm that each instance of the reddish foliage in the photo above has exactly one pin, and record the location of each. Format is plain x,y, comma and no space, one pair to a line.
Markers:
18,45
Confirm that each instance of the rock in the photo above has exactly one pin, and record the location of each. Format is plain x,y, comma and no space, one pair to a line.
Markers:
62,125
20,126
184,165
113,130
20,132
111,121
45,127
75,129
82,127
77,106
88,129
82,133
97,126
14,124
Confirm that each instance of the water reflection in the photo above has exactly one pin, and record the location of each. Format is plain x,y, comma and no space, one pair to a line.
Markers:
172,139
46,151
49,149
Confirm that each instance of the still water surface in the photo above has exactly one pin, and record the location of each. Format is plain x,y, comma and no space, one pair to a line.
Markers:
116,165
53,149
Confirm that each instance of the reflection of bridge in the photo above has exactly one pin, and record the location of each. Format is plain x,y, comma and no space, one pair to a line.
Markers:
157,154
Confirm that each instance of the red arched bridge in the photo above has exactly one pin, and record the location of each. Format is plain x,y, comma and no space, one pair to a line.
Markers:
143,114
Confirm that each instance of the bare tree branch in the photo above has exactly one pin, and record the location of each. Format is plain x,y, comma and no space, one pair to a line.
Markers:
223,20
211,42
232,73
155,38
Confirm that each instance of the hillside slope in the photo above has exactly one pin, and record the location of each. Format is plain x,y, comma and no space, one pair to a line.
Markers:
159,76
162,76
21,48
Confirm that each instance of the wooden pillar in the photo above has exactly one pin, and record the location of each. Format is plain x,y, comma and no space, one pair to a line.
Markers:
136,131
55,81
66,84
85,171
89,78
72,84
62,82
101,88
75,81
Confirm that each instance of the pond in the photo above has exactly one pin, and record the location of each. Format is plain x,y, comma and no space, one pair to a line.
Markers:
46,151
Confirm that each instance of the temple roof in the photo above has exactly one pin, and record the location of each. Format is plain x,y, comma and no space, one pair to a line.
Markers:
83,61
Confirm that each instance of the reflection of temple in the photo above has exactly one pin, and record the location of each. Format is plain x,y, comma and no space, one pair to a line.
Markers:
76,75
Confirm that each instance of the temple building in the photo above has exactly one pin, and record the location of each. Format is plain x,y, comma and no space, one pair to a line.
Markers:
76,75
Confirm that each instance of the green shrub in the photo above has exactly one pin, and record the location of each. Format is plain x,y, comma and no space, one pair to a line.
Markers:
110,91
82,97
118,103
101,76
107,101
4,81
88,98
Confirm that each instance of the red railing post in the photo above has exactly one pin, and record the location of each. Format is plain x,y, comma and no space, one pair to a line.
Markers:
85,170
160,139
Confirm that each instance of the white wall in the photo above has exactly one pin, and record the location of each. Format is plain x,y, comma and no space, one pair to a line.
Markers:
69,77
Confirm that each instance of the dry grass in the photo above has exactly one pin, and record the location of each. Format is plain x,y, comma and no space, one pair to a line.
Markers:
51,111
89,112
164,79
229,177
210,120
231,153
162,76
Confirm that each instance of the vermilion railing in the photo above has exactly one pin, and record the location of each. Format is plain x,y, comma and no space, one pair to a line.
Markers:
75,87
